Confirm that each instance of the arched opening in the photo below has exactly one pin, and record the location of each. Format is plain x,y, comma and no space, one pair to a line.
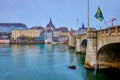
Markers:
83,46
109,56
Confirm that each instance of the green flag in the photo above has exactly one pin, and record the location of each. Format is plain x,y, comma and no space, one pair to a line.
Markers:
99,14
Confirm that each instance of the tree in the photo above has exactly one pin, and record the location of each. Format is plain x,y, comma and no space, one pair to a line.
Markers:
30,38
4,33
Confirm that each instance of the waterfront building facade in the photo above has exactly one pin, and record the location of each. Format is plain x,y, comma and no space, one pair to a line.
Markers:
48,36
63,34
49,32
25,33
41,37
8,27
38,28
53,34
56,35
19,31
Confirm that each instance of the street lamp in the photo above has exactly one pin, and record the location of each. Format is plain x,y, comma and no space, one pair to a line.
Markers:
88,18
77,26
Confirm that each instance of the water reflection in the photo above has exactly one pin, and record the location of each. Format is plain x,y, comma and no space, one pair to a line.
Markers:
72,56
19,50
4,45
5,49
80,58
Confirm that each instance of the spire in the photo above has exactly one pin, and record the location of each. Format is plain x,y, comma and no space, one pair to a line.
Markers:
50,25
50,22
83,27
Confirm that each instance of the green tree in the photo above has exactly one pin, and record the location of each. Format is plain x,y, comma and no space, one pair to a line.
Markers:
30,38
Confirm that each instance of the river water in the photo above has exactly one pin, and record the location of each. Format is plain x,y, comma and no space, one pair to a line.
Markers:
46,62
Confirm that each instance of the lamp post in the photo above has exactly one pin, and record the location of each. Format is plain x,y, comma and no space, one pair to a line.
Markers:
77,26
88,29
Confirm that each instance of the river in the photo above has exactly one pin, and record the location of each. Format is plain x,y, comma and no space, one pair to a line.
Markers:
46,62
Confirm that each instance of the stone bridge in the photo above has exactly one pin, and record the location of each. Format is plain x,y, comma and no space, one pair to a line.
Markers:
102,48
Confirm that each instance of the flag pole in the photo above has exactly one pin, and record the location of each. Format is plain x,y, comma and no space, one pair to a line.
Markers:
88,19
105,23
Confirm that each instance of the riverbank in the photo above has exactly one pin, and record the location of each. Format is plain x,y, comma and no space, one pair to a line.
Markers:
35,42
26,42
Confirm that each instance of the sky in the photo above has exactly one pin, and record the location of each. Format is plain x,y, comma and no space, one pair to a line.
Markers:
64,13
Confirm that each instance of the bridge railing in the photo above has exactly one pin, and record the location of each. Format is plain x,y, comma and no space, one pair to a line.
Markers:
118,29
80,35
109,31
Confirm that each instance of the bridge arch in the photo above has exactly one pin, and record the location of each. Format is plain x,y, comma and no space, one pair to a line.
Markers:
108,56
83,46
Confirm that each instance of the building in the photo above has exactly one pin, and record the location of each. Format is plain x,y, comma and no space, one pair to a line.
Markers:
50,26
63,34
84,30
41,37
48,35
38,28
8,27
25,33
55,35
49,31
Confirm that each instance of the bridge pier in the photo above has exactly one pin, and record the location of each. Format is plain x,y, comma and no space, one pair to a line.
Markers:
72,42
78,44
91,52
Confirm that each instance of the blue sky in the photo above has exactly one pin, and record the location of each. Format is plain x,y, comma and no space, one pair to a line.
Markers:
62,12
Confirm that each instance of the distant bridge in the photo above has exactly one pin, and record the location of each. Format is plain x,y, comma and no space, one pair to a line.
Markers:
100,47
